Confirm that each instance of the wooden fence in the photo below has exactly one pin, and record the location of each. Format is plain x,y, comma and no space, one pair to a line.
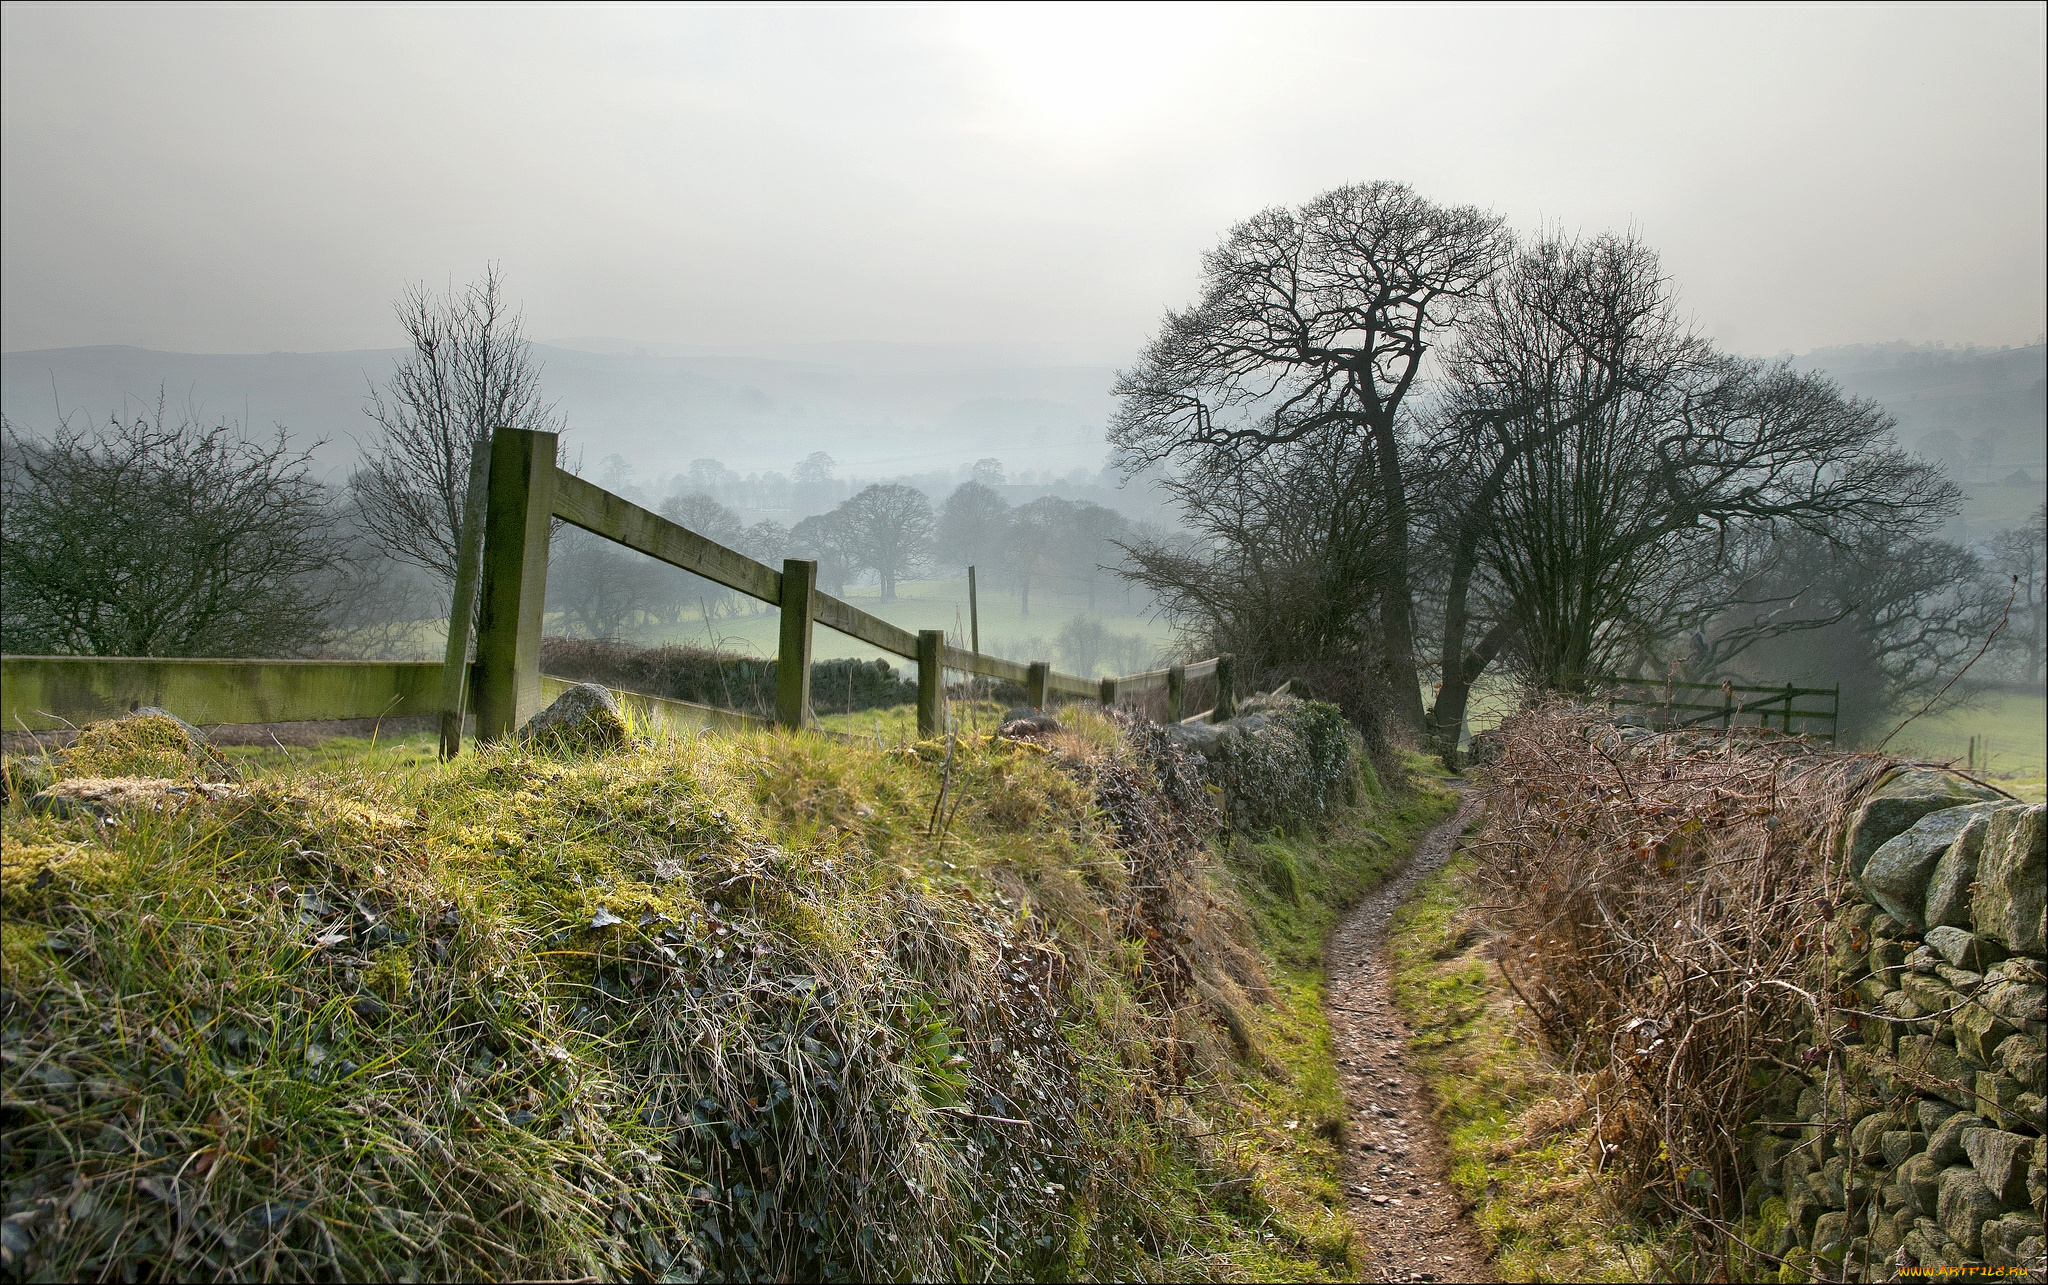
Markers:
506,687
1671,705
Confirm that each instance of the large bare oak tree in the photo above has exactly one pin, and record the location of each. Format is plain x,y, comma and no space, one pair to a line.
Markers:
1314,323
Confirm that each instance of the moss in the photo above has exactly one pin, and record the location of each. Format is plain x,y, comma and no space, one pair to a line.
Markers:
139,745
389,975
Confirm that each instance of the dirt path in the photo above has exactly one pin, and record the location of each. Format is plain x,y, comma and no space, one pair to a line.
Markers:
1394,1166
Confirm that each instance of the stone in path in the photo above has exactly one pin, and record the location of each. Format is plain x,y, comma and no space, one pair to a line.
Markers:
1394,1168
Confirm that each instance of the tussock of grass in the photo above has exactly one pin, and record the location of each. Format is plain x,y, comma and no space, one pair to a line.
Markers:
746,1005
1520,1141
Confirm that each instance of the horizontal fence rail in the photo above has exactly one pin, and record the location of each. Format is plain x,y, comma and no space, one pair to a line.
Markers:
1741,705
52,693
46,693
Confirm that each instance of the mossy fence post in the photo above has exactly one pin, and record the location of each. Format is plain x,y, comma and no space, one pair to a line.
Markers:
931,681
1034,684
515,581
1105,691
1176,691
793,657
1226,689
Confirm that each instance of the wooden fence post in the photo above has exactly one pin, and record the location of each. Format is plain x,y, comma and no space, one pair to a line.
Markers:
1034,684
1226,689
1105,691
1176,691
793,658
931,681
517,518
1788,709
1727,708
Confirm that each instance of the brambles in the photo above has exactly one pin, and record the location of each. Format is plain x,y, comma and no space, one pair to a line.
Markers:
1660,904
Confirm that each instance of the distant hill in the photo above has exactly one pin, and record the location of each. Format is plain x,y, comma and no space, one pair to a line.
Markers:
1984,411
877,408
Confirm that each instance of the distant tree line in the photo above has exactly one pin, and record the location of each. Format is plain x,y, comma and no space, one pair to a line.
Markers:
886,533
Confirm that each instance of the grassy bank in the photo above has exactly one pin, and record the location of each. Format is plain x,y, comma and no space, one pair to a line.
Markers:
733,1006
1522,1148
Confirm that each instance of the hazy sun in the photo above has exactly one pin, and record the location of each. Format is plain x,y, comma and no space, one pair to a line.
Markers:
1058,67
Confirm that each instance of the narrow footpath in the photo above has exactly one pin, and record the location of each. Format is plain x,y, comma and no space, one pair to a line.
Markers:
1395,1168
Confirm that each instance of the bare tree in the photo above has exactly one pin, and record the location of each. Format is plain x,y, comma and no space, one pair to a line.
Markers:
146,537
1614,468
470,372
1283,561
824,538
601,587
889,529
1314,323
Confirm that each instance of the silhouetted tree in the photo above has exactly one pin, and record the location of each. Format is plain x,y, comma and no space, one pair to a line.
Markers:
2022,554
972,529
824,538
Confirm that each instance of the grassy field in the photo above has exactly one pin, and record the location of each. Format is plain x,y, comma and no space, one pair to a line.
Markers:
2012,732
937,604
919,604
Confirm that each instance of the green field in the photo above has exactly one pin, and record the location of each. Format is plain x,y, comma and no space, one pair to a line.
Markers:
936,604
2013,738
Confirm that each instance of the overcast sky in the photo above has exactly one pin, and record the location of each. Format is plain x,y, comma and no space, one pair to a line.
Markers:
257,179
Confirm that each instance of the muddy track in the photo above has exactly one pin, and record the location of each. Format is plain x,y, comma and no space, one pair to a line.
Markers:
1394,1167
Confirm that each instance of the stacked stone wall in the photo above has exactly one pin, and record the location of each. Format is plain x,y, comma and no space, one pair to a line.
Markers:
1917,1140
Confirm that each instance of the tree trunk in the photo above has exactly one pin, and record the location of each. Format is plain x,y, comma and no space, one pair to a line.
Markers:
462,606
1399,611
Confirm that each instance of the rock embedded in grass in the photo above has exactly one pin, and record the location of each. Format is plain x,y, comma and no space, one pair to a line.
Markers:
584,719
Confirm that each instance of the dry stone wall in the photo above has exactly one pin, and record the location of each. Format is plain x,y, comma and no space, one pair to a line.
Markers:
1920,1141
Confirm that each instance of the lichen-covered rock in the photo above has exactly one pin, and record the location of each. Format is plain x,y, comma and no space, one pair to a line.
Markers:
1897,873
2011,905
149,742
103,796
2018,1002
1963,1206
1898,800
2024,1060
2000,1159
1978,1034
2006,1241
1832,1233
584,718
1899,1145
1948,888
1920,1175
1945,1144
1964,949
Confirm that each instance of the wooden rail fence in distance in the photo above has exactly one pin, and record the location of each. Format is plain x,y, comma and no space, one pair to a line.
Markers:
1667,707
526,492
